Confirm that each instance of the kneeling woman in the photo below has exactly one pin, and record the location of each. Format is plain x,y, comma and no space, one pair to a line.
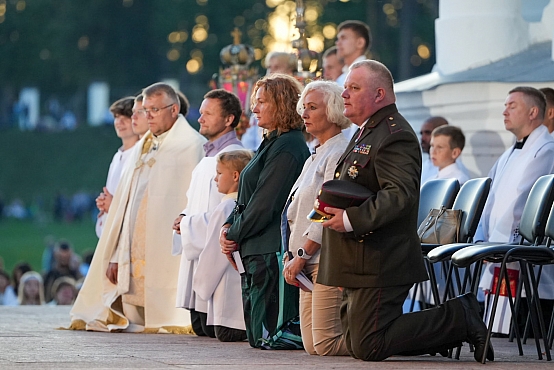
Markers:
321,107
270,306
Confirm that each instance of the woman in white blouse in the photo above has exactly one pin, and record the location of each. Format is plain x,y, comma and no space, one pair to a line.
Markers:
321,107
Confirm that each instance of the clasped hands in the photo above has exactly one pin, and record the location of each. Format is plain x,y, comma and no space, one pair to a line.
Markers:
227,246
103,201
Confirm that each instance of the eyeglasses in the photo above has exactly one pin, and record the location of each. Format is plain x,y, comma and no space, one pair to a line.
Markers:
153,111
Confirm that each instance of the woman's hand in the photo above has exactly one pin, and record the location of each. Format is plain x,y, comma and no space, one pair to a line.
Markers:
227,246
293,268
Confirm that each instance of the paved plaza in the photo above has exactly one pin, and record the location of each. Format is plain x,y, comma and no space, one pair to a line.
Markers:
29,339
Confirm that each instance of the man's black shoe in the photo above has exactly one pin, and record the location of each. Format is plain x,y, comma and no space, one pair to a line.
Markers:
476,329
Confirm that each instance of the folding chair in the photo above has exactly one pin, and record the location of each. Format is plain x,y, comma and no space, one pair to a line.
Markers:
471,201
532,230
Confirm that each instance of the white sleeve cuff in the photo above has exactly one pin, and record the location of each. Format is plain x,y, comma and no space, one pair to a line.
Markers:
346,221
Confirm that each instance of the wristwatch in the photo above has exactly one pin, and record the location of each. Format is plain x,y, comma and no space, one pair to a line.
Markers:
303,254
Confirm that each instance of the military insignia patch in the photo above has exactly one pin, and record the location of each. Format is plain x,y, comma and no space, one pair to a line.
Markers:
353,172
362,149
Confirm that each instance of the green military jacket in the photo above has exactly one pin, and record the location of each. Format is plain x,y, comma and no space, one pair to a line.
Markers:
384,249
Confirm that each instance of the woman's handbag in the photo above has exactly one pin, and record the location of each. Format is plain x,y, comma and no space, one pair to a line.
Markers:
441,226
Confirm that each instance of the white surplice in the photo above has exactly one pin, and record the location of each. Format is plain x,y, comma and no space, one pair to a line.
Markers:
203,197
166,183
215,280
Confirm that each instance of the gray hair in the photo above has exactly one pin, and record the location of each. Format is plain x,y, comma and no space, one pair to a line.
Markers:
383,74
332,97
160,88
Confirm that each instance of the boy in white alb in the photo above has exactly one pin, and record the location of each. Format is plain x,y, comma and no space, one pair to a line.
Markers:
215,280
122,112
447,143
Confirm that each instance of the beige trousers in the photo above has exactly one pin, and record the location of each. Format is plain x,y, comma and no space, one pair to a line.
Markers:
320,322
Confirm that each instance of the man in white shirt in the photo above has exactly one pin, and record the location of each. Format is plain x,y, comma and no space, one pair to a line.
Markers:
549,113
122,112
220,113
353,42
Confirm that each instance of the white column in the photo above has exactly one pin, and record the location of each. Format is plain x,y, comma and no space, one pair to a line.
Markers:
472,33
98,101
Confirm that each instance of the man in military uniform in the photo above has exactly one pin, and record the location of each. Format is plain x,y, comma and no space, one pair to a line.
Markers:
373,250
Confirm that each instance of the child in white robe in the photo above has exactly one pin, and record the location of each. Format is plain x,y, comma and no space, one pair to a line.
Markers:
215,279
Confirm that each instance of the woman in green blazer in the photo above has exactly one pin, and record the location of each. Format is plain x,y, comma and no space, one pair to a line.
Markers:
270,306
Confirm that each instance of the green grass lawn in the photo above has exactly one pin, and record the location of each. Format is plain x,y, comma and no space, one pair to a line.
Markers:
24,240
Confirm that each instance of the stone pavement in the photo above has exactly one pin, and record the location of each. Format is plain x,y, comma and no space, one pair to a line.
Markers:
29,340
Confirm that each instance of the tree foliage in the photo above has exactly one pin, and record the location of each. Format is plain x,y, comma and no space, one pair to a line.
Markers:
61,46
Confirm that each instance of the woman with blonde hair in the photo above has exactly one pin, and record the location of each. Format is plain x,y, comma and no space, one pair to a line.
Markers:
253,228
321,107
31,289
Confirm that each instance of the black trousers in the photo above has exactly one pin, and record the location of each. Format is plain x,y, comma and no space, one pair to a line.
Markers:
198,322
375,327
225,334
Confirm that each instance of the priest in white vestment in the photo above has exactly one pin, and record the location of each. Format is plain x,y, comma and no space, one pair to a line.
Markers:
513,175
220,113
132,281
122,111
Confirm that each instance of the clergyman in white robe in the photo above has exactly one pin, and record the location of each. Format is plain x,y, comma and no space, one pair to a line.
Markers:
513,176
151,192
203,197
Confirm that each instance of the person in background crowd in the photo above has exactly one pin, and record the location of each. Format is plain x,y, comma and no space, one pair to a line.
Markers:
66,263
7,294
332,64
549,112
31,289
17,272
63,292
280,62
254,226
48,254
353,42
85,262
122,111
321,107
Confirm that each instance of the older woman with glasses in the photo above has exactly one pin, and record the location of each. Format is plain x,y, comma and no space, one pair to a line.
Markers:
270,306
321,107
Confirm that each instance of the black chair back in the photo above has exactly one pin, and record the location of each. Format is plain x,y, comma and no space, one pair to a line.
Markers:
471,200
549,230
435,194
537,208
